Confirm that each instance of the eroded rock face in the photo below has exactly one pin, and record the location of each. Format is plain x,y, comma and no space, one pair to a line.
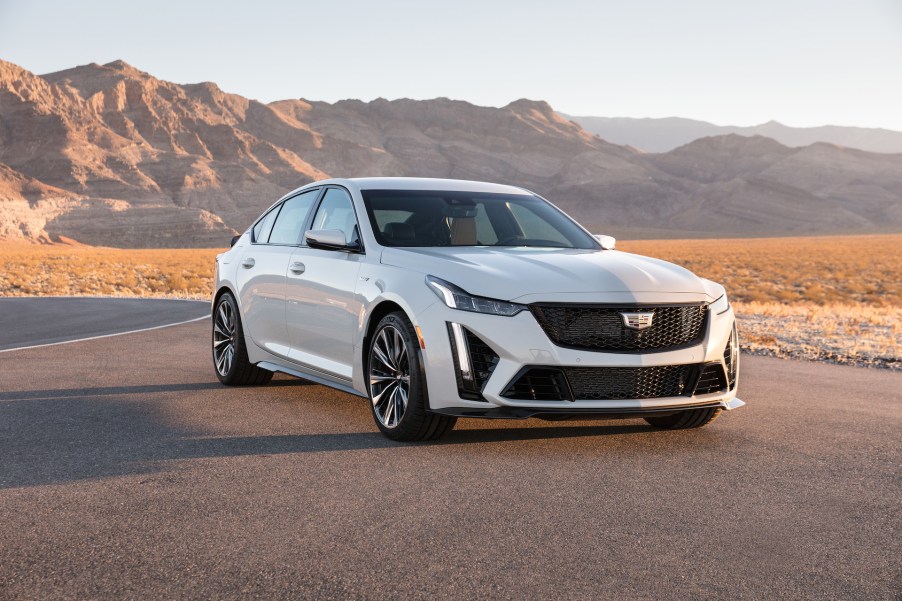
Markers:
108,154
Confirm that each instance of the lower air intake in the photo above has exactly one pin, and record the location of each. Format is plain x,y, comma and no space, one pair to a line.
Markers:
618,383
539,384
711,379
602,383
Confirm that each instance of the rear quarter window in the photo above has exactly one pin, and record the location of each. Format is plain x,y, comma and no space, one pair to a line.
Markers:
264,226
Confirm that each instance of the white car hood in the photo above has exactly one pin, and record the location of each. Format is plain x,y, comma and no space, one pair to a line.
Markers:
530,274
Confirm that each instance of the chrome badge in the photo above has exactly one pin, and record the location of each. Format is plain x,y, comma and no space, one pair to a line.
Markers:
637,321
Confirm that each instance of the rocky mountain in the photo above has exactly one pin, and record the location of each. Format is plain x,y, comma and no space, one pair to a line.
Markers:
663,135
108,154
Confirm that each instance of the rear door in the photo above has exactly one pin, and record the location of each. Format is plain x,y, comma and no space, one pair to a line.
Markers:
263,267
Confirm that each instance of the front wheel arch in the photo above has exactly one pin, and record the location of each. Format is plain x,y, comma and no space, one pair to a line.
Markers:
375,316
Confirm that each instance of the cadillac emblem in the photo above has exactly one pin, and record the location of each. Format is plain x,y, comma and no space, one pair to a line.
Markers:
637,321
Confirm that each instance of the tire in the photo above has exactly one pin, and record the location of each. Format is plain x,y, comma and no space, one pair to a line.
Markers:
396,383
692,418
230,360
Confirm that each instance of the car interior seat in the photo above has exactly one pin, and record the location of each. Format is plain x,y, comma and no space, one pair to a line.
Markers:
463,231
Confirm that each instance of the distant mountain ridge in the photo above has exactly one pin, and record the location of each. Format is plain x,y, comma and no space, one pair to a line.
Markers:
665,134
109,154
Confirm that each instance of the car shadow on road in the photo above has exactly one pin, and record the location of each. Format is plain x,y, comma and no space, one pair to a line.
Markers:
61,393
67,435
354,441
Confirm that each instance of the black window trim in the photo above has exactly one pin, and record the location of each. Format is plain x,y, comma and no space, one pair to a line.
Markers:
273,209
278,207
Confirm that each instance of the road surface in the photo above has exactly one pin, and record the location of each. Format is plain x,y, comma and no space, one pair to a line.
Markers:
51,320
127,470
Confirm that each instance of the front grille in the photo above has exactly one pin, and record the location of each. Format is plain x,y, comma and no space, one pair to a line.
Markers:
602,383
602,328
711,379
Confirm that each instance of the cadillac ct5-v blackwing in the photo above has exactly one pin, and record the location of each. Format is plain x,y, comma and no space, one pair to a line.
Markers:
438,299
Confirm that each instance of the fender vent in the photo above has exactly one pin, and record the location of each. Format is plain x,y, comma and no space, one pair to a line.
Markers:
482,362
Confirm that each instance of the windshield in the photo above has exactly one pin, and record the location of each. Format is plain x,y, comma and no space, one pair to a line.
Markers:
440,218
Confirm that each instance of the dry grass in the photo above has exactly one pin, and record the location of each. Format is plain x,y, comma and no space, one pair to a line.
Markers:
834,270
30,269
825,298
834,298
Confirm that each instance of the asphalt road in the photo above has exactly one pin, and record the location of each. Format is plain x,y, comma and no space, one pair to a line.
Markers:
49,320
126,470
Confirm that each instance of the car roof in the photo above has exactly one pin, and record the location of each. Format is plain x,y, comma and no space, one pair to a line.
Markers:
420,183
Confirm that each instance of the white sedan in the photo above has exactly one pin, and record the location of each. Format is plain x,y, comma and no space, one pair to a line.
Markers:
438,299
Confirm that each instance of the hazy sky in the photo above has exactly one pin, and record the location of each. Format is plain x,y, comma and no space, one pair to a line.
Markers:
801,62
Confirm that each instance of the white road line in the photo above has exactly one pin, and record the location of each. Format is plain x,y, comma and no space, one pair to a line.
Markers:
168,325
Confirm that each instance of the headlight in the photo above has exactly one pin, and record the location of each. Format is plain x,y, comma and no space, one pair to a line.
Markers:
720,305
457,298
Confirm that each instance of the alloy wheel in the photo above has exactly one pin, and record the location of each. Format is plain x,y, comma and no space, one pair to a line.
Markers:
389,376
223,338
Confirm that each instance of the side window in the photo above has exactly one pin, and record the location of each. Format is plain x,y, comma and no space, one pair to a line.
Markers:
336,212
291,219
263,227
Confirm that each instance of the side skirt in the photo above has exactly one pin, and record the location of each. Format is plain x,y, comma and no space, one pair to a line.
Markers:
312,376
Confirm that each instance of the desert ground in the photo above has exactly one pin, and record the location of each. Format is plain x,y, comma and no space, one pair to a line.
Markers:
833,298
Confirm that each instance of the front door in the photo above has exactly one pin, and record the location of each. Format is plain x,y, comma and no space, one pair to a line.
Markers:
322,308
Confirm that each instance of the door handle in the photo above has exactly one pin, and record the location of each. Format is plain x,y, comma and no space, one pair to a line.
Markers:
248,263
297,268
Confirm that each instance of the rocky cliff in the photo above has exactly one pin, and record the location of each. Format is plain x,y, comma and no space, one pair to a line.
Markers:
108,154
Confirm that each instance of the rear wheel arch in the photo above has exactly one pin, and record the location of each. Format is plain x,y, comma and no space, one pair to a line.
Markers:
222,290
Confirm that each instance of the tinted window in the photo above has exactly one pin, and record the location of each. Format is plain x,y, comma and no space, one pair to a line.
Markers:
292,218
336,212
263,227
439,218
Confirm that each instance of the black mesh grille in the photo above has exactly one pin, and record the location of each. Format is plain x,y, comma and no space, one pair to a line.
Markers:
711,380
614,383
602,383
538,384
602,328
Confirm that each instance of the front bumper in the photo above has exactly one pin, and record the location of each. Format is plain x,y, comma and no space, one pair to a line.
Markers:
520,341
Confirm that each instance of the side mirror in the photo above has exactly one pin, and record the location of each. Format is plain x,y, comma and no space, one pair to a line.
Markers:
607,242
234,240
329,240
